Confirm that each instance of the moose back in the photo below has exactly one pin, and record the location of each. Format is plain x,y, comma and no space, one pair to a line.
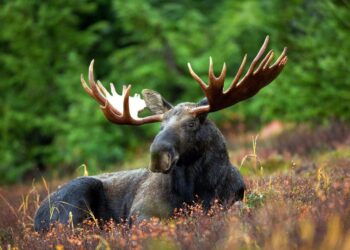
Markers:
189,159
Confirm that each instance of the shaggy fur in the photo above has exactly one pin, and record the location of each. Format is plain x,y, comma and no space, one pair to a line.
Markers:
191,156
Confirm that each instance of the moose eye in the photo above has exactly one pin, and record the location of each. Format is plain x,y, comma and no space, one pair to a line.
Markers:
191,124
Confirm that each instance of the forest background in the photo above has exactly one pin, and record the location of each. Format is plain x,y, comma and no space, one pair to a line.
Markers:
48,124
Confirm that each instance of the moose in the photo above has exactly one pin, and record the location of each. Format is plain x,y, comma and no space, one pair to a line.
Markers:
189,161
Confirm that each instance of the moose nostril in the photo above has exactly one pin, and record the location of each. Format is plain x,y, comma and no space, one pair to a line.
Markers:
160,162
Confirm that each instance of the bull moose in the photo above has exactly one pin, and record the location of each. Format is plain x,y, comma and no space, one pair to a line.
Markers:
189,159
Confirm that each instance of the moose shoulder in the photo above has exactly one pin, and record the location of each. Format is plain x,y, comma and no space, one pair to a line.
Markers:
189,159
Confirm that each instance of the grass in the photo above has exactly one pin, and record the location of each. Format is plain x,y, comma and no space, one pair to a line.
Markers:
298,201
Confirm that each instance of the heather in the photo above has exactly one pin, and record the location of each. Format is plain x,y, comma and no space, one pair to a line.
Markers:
293,201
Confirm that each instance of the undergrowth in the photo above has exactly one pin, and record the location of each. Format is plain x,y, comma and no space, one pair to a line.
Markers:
299,203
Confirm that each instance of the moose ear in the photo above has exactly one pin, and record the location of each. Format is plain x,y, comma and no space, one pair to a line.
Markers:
155,102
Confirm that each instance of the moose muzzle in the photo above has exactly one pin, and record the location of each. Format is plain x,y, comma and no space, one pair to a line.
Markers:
163,152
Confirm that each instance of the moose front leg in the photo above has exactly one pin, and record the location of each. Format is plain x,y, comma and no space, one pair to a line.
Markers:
145,209
207,199
153,199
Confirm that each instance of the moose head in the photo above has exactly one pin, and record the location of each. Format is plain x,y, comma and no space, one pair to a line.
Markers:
184,126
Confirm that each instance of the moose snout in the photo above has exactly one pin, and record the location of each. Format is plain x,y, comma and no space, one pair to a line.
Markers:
160,162
163,153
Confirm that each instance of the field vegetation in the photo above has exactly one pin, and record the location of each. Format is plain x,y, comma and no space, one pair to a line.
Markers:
297,198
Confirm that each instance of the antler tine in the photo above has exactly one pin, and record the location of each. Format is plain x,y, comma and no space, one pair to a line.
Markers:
285,60
211,76
97,94
87,89
126,108
91,91
101,88
259,55
216,82
112,89
222,75
197,78
282,63
265,62
268,63
104,91
256,60
238,75
281,57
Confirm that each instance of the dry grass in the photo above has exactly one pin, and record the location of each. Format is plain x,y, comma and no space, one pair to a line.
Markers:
301,203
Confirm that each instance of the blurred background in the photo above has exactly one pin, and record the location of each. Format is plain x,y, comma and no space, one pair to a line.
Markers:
49,125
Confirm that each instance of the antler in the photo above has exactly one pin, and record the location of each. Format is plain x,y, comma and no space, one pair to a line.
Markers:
119,109
243,89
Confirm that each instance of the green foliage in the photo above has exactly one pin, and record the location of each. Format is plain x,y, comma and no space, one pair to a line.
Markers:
49,123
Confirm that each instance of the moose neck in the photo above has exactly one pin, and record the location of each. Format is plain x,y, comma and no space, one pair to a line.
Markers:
200,170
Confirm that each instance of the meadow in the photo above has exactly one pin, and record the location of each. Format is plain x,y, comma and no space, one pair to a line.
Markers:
298,197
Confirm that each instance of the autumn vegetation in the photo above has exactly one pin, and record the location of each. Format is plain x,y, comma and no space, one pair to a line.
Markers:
298,198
